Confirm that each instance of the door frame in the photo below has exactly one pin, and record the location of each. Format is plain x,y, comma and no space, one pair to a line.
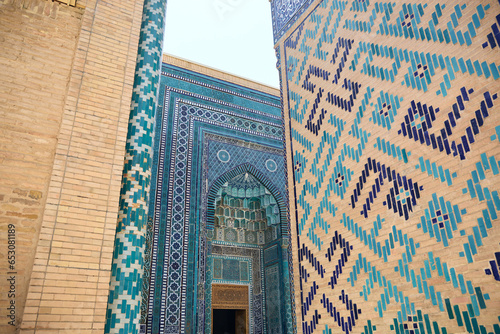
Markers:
231,297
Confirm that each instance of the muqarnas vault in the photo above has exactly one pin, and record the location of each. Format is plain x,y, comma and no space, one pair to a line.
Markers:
218,235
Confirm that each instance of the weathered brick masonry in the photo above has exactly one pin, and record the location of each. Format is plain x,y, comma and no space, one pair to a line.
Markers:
67,74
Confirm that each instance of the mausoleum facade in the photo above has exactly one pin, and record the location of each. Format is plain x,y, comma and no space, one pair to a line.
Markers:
143,193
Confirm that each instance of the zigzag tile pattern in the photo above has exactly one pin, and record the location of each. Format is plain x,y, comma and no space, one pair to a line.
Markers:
124,301
395,148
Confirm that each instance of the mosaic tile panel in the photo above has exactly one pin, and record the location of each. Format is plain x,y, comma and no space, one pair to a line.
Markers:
273,314
271,254
125,296
391,126
284,13
231,269
253,257
283,303
209,129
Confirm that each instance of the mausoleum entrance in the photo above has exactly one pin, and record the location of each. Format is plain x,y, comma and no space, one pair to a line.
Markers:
245,261
230,309
218,210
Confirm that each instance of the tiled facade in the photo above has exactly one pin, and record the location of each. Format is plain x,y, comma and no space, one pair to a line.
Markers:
393,150
213,132
385,219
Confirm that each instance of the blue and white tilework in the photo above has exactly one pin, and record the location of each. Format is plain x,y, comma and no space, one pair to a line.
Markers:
285,13
394,139
209,128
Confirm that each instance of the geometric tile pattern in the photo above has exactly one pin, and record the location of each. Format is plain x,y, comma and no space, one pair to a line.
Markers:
494,36
419,122
286,248
125,297
395,145
252,258
272,300
207,130
283,12
175,253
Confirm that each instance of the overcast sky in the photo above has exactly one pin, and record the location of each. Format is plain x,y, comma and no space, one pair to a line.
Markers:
234,36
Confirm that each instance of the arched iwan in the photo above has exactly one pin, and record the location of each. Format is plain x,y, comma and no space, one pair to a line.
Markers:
250,169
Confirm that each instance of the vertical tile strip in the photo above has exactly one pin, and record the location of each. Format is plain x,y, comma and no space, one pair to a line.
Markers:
123,313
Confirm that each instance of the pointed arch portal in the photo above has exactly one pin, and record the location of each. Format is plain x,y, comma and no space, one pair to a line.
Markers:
206,149
246,241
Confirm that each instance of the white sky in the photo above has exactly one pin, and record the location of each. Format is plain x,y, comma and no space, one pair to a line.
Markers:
234,36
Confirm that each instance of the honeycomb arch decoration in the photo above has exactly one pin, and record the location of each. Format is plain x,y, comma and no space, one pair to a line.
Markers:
246,212
392,125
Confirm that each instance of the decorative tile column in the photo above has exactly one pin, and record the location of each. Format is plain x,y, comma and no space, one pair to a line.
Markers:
124,300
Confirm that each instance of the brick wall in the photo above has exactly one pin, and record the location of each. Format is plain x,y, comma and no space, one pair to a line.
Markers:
66,86
37,43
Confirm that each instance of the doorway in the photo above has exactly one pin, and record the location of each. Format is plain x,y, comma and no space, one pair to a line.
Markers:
230,309
229,321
